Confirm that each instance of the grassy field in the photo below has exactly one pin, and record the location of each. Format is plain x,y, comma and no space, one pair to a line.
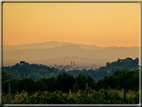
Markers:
87,96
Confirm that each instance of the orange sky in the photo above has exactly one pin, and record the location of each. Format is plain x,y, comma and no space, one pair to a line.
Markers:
101,24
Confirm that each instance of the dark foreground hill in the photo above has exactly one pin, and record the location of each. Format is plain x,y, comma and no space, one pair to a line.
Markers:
37,71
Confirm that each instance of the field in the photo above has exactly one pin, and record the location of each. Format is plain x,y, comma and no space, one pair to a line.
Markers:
87,96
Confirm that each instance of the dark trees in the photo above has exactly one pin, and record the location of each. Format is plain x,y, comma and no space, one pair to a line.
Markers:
4,75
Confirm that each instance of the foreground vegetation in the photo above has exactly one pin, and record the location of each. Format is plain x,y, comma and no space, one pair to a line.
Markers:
121,87
109,90
87,96
64,82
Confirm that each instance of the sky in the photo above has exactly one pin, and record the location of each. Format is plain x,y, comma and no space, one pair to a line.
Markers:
101,24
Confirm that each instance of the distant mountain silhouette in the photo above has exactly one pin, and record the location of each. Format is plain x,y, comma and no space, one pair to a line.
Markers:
45,45
69,50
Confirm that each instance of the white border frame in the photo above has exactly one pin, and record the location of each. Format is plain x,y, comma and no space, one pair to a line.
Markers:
77,1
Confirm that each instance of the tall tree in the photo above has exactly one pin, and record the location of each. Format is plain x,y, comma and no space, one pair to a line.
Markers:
4,75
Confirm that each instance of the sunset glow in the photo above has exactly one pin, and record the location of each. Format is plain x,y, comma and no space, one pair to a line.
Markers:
101,24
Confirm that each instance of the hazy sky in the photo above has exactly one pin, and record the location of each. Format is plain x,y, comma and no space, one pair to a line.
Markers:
101,24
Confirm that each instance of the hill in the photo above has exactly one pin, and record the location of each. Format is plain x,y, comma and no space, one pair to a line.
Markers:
45,45
58,53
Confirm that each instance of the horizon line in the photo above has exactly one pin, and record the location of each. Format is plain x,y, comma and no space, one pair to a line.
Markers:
71,43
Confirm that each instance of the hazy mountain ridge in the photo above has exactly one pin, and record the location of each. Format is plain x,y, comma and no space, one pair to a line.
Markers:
46,45
69,50
53,44
109,53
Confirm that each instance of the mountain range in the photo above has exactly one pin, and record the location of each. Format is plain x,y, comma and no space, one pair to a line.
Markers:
50,44
64,52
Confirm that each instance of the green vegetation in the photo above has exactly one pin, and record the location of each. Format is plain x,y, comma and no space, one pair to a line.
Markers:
37,71
65,82
87,96
64,88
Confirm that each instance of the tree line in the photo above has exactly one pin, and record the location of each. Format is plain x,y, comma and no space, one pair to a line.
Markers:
38,71
64,82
